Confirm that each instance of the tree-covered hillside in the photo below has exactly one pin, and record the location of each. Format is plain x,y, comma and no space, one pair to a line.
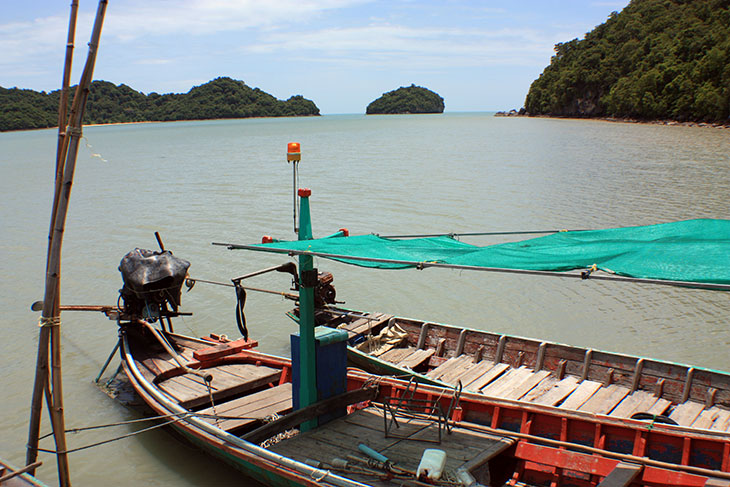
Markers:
109,103
412,99
656,59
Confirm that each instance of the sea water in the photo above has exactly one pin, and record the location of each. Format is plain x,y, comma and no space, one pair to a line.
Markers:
228,181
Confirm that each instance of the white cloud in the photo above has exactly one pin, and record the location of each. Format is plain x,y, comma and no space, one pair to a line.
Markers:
200,17
394,44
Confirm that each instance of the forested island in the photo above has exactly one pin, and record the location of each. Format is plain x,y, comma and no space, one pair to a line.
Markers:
411,99
656,59
109,103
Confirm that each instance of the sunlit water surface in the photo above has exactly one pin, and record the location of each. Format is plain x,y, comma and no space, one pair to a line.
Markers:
228,181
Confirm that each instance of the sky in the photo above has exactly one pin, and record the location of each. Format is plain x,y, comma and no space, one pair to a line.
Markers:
479,55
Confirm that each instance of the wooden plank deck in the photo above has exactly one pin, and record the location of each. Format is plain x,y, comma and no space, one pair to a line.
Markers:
228,380
341,437
542,387
527,385
504,384
685,414
487,377
581,394
396,355
452,364
604,399
251,409
475,371
363,325
416,358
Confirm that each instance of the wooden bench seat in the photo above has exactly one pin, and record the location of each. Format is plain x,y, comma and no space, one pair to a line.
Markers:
228,380
416,358
251,409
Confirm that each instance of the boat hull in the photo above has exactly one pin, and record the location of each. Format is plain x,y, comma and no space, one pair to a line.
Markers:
545,444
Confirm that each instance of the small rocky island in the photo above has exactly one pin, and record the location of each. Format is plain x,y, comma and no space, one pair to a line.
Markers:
411,99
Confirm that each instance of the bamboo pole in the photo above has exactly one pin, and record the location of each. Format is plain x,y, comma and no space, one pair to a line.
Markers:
41,378
63,111
50,318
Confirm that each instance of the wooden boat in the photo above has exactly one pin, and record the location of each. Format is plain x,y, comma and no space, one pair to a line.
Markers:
243,415
540,389
253,410
535,371
11,476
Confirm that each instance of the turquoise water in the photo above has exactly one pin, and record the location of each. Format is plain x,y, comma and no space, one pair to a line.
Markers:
228,181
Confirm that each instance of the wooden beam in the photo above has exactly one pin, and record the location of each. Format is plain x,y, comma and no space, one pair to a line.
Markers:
622,475
308,413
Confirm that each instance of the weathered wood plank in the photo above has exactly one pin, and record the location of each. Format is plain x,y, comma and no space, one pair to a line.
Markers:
462,365
723,420
715,482
541,388
558,392
660,407
638,402
605,399
684,414
362,325
507,382
484,379
452,363
708,417
228,380
527,385
223,349
622,475
340,440
416,358
395,355
310,412
475,371
252,408
581,394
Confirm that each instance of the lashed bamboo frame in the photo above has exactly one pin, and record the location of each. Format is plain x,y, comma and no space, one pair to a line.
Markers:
69,136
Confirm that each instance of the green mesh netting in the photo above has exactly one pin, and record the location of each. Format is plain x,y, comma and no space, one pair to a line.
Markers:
693,251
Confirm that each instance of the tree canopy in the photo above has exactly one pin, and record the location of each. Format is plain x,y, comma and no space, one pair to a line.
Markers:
109,103
656,59
412,99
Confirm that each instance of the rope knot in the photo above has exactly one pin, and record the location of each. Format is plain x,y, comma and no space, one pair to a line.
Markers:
53,321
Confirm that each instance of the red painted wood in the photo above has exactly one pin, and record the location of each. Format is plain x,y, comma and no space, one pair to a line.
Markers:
223,349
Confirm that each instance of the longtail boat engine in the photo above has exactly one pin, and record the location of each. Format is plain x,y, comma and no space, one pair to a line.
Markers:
324,291
152,283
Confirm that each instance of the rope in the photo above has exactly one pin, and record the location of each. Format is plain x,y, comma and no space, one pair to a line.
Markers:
74,450
53,321
119,423
210,395
477,234
190,282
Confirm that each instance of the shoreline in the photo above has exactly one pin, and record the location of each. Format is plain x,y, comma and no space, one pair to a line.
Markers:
665,122
669,123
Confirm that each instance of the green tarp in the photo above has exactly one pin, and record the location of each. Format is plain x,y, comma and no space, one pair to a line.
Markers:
695,251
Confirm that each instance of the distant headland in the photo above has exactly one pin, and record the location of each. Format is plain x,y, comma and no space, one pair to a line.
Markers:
656,60
411,99
109,103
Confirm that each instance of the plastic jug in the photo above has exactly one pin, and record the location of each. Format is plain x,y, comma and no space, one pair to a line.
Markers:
432,464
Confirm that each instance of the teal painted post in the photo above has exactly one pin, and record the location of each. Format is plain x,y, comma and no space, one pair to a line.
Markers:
307,357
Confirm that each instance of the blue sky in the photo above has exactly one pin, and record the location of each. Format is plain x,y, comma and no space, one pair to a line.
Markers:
342,54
